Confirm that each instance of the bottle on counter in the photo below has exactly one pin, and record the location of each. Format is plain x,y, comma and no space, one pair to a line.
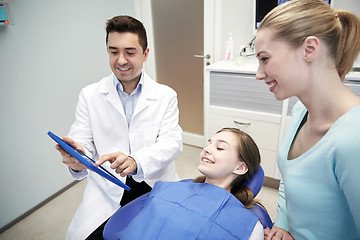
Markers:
229,48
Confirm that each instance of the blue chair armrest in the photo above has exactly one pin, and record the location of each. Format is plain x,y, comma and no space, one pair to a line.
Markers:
263,216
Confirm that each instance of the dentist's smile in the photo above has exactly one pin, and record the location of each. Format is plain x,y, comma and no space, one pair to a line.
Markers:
124,68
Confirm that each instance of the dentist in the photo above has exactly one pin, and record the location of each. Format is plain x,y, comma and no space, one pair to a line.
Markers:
129,124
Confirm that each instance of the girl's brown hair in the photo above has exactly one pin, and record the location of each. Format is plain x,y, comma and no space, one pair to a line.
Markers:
248,152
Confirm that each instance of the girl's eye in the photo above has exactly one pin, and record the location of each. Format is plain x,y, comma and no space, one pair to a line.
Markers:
220,148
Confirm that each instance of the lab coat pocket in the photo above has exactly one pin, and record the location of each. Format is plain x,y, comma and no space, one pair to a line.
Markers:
147,133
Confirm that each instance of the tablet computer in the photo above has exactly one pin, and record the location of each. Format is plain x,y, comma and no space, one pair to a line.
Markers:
87,161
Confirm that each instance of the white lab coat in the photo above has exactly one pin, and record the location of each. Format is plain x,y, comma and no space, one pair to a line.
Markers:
101,127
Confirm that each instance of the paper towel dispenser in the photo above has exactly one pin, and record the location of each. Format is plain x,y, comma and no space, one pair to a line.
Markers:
4,20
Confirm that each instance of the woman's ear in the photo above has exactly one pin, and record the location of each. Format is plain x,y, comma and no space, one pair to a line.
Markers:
311,48
241,169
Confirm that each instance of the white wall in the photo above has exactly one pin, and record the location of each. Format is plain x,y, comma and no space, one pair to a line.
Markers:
237,17
50,51
353,6
234,17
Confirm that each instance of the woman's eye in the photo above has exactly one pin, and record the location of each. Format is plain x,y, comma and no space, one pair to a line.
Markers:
264,59
220,148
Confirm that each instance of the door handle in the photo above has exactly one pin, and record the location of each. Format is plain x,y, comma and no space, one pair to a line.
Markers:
242,123
207,56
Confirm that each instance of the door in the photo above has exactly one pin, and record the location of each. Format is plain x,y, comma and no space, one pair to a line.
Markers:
182,33
178,36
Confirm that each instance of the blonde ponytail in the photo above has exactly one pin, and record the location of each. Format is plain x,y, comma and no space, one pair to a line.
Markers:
349,44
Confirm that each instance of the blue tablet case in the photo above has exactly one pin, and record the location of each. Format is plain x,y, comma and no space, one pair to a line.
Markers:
84,159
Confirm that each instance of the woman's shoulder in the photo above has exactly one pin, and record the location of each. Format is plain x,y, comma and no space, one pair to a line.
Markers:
343,137
348,125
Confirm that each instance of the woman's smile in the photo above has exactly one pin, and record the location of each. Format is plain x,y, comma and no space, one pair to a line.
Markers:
272,85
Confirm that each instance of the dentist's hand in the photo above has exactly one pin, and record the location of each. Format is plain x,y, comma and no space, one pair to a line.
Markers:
69,160
120,162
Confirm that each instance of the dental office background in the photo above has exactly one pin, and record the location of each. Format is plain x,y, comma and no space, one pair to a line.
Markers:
50,50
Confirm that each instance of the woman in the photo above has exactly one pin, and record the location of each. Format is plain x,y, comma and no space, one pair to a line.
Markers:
305,49
211,207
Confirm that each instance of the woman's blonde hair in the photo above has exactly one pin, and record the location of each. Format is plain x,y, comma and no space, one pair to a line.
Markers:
248,152
296,20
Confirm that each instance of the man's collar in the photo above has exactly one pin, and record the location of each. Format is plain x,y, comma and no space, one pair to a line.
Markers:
119,86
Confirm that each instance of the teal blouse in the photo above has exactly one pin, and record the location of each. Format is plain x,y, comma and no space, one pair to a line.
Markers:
319,195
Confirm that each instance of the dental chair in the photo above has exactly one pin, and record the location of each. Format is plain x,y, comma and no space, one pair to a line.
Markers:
255,183
133,208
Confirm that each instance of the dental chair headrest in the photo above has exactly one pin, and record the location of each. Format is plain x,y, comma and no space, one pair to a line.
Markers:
256,181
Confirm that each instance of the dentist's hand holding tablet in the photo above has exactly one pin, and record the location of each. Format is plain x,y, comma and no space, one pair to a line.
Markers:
69,160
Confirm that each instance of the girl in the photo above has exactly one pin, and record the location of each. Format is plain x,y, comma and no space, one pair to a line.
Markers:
211,207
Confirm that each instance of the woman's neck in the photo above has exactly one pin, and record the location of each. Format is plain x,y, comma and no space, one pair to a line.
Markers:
327,98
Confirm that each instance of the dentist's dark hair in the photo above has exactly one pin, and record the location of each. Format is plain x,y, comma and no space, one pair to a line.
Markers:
122,24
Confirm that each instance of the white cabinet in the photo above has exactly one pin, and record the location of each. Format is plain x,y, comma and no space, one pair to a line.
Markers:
234,98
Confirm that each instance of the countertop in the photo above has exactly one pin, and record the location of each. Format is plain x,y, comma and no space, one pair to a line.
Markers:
249,65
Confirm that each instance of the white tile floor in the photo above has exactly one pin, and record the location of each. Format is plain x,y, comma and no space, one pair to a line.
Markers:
51,221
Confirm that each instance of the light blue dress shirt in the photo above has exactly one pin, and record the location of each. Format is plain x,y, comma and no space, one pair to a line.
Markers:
129,100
